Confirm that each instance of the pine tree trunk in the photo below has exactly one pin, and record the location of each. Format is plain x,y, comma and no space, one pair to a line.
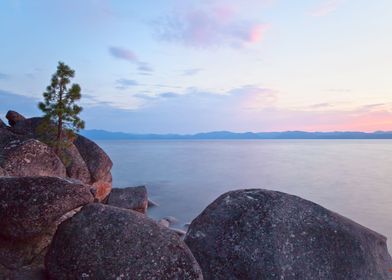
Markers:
59,133
59,124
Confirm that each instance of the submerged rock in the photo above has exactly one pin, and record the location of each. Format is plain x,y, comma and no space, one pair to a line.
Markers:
172,220
14,117
152,203
31,158
105,242
134,198
261,234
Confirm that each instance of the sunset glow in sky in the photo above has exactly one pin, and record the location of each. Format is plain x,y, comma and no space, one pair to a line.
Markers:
190,66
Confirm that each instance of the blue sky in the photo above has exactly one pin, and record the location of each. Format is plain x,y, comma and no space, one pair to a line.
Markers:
190,66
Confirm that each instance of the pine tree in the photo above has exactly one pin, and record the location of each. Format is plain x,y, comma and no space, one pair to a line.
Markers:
61,111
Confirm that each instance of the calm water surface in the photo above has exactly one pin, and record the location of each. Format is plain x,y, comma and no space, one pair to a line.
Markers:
352,177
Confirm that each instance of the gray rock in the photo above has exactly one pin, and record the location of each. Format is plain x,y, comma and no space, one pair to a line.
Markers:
34,128
164,223
44,131
98,162
106,242
75,165
152,203
134,198
2,124
181,233
172,220
31,158
186,225
25,273
30,210
14,117
3,172
261,234
30,205
7,136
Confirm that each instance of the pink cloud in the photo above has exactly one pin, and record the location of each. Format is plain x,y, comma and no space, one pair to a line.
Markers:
359,119
325,8
257,33
215,26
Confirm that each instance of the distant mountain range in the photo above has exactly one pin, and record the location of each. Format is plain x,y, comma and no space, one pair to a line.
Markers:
221,135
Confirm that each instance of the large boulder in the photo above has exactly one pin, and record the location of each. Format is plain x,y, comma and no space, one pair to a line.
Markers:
30,210
261,234
75,166
40,129
30,205
14,117
99,165
134,198
105,242
31,158
98,162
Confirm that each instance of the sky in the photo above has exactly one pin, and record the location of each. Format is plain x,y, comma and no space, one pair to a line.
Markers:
210,65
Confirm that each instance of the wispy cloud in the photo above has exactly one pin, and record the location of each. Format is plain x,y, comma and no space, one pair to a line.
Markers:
144,67
125,83
168,95
191,72
212,26
325,7
130,56
320,105
124,54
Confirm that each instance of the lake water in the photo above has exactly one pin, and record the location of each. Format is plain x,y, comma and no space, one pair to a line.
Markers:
351,177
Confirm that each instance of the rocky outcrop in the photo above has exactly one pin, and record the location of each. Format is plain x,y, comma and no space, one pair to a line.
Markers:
260,234
31,158
105,242
14,117
134,198
84,160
